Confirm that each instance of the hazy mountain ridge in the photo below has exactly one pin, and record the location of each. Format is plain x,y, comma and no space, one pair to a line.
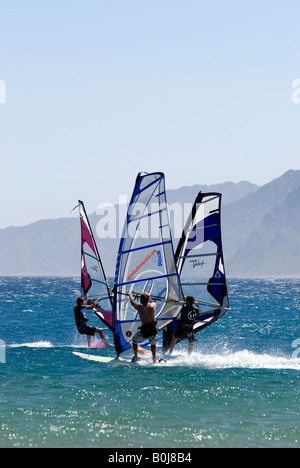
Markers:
273,246
255,230
230,192
260,227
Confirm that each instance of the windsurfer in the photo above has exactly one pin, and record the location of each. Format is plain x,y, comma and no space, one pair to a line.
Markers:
81,319
189,312
148,329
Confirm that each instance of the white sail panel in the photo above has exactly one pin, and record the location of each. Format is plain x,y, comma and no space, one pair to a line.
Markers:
146,261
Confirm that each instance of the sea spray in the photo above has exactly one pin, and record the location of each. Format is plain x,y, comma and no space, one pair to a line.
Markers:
240,359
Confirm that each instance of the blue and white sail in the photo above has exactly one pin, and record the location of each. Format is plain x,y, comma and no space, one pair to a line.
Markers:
200,262
146,260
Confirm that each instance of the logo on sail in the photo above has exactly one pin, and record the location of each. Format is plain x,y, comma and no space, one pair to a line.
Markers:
144,262
157,258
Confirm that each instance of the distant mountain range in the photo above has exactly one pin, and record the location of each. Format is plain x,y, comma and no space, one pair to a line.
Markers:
260,227
262,230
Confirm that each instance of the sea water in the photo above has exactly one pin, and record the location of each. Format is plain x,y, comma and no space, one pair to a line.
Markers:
239,388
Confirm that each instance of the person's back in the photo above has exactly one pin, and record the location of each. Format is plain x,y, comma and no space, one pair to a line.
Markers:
188,314
147,312
80,315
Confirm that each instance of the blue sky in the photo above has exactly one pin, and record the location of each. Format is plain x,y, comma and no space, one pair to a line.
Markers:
98,90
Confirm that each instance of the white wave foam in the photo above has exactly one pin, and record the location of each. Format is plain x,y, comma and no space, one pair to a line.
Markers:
240,359
36,344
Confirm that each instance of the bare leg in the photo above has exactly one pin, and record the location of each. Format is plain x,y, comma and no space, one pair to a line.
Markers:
101,334
153,350
89,338
135,351
99,331
191,346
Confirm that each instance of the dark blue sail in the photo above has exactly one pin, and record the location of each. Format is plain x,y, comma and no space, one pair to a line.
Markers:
200,262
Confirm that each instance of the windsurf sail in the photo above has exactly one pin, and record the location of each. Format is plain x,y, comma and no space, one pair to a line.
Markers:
146,260
94,284
200,263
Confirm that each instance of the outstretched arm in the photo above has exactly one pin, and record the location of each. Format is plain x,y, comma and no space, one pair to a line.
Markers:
197,306
132,301
93,305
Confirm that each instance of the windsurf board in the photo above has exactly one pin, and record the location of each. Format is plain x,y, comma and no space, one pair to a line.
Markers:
107,359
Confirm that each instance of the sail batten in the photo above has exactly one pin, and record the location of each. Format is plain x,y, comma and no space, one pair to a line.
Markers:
147,215
212,254
149,279
144,247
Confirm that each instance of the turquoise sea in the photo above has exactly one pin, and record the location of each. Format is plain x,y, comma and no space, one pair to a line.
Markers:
240,387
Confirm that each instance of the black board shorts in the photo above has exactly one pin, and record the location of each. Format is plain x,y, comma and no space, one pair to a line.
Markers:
183,333
86,330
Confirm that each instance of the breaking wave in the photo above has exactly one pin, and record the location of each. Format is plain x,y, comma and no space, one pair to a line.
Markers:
35,344
239,359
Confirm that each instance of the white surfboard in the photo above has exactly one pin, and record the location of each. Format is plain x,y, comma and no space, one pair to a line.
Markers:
106,359
103,359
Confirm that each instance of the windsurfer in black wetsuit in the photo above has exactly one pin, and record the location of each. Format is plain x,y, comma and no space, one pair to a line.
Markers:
185,328
81,319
